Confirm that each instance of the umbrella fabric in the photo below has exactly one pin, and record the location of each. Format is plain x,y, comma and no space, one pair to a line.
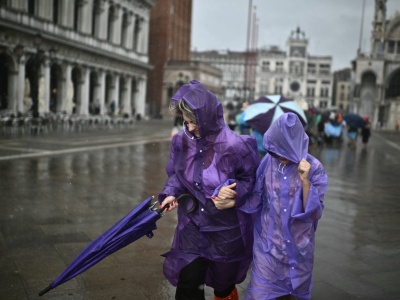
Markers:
139,222
354,120
265,110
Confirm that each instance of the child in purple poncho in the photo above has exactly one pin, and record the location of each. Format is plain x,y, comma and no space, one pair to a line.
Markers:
212,244
288,199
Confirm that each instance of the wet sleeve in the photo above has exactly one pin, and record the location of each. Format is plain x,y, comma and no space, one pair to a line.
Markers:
315,204
247,164
254,203
172,186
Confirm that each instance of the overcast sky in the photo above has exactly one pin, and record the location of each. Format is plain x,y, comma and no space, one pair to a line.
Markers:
332,27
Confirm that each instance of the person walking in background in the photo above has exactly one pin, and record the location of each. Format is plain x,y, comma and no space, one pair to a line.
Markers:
288,199
366,132
212,245
352,134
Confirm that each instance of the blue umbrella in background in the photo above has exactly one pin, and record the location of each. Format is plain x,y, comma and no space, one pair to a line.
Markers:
265,110
354,120
139,222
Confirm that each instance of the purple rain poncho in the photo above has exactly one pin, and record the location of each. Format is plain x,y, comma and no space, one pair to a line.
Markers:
199,166
284,232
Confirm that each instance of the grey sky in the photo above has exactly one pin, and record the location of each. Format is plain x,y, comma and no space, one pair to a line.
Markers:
331,26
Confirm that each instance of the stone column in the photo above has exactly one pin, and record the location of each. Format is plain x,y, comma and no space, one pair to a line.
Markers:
102,92
132,32
45,10
66,19
21,85
139,37
115,94
84,95
12,90
128,42
144,37
102,19
140,103
45,81
18,4
81,15
67,90
116,33
127,109
86,15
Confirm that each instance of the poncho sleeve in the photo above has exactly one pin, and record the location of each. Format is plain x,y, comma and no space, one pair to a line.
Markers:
172,186
243,158
255,202
315,204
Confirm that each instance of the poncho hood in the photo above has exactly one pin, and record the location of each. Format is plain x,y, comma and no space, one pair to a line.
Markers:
206,106
287,138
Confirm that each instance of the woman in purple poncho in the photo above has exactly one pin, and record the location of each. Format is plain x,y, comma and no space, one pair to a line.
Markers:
212,244
288,198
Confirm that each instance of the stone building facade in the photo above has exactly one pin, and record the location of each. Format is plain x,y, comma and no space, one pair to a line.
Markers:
74,56
341,93
376,78
293,73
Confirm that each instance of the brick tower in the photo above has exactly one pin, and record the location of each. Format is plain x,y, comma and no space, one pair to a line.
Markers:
169,40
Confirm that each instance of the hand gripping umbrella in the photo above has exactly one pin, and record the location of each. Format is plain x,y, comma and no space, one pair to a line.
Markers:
265,110
139,222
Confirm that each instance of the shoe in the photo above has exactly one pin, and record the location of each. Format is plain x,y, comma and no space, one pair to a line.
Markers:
232,296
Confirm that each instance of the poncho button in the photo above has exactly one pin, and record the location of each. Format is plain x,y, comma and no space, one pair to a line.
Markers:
285,209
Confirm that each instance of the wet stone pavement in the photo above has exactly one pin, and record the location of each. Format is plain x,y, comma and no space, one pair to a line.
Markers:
58,192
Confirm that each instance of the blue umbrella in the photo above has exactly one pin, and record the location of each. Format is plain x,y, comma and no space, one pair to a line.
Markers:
265,110
354,120
139,222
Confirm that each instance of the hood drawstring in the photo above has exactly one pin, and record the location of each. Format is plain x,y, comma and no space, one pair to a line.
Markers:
281,168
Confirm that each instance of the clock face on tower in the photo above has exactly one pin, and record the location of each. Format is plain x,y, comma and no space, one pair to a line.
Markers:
294,86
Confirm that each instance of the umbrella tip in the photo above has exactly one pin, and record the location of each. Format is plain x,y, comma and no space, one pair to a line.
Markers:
45,291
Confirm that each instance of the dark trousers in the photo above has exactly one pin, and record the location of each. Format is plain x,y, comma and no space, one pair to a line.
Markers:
191,282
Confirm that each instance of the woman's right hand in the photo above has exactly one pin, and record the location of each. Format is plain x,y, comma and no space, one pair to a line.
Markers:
171,200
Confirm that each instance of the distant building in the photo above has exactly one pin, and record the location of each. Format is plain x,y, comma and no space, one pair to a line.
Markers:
77,57
293,73
377,74
232,64
341,95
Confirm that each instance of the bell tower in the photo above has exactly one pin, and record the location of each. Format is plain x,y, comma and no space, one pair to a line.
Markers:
378,29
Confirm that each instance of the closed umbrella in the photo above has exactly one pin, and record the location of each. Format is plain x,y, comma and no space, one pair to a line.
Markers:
265,110
137,223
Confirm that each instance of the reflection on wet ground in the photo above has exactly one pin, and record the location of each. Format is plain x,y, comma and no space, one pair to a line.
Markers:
54,202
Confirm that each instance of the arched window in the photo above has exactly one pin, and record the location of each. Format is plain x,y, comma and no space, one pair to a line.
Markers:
124,29
31,7
393,90
110,29
136,34
76,13
94,16
55,11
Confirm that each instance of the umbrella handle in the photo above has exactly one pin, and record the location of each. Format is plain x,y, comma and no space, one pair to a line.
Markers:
161,209
195,205
45,291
